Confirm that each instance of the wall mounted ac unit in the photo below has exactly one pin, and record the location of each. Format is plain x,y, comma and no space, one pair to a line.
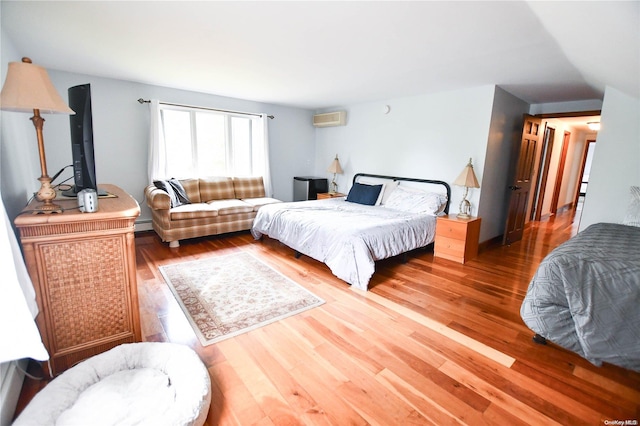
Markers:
328,119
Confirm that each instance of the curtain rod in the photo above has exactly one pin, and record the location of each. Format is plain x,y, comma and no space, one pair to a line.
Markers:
143,101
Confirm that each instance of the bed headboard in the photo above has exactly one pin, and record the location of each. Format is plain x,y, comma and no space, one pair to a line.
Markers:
418,181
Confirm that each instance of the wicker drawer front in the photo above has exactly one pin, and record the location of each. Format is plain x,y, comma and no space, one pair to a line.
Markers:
88,296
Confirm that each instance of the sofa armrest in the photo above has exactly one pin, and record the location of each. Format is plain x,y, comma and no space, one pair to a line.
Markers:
157,199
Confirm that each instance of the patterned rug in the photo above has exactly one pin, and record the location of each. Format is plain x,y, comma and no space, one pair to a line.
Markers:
229,295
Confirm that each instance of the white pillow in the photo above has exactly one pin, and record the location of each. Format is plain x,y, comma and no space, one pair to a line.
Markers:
442,198
388,190
387,187
416,201
633,210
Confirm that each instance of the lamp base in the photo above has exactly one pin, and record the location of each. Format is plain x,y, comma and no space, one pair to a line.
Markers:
465,209
46,194
47,209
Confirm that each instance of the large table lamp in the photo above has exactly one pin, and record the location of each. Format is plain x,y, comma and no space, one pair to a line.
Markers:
334,168
27,88
467,179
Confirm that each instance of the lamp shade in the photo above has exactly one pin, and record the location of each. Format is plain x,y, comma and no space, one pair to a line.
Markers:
27,87
467,178
334,167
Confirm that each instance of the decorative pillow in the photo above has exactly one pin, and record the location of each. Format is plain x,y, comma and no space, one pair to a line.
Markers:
366,181
633,210
364,194
415,201
387,187
176,191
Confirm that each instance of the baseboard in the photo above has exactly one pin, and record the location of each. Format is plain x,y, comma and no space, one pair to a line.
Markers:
568,206
495,241
144,225
11,379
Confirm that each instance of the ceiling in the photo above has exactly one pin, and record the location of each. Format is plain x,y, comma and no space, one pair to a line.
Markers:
321,54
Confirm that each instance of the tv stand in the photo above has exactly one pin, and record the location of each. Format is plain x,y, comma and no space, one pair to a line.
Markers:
83,269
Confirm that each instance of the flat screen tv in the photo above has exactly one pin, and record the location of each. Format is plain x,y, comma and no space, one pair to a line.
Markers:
84,167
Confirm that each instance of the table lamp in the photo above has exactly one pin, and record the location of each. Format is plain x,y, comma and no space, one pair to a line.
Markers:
27,88
334,168
467,179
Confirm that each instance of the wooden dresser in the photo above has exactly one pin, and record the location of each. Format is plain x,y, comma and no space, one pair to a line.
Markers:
457,239
83,269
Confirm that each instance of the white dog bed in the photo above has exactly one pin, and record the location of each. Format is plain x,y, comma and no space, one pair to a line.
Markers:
132,384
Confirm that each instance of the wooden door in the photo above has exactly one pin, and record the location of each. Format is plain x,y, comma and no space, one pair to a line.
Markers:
520,186
563,159
543,173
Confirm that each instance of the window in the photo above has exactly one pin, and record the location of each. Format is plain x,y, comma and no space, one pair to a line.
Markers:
201,142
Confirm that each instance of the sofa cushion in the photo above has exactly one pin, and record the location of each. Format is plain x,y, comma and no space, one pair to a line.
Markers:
248,187
260,201
226,207
193,211
192,188
216,188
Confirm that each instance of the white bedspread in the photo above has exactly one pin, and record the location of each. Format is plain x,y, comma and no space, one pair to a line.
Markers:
347,237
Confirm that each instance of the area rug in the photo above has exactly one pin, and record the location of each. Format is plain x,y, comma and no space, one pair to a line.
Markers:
228,295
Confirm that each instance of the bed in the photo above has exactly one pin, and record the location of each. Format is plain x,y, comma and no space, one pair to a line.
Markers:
585,296
349,234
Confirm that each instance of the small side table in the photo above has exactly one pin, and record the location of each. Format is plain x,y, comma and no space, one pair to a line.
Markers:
325,195
457,239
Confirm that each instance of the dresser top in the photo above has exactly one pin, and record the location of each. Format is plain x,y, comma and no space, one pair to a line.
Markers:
118,204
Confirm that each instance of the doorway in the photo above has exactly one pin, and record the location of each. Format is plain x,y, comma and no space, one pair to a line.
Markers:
581,191
524,209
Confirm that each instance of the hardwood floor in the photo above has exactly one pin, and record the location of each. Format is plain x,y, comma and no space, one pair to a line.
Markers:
433,342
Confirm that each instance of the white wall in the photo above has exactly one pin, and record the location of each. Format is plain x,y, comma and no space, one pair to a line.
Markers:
505,132
120,127
616,161
426,136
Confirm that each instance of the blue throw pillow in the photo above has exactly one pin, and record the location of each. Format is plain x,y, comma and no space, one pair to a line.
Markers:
364,194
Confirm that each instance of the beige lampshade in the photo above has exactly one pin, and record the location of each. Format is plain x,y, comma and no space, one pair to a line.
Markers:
334,167
27,87
467,177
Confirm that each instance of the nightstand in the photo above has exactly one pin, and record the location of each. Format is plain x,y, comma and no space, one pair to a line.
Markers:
324,195
457,239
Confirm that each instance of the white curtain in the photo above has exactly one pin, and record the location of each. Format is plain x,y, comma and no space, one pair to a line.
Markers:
157,164
19,335
263,142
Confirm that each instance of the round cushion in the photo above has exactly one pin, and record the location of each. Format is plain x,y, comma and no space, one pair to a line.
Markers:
145,383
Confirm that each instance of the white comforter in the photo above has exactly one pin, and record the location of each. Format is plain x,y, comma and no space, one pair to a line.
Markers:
347,237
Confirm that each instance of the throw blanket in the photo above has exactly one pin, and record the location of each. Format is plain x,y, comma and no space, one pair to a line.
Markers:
585,295
347,237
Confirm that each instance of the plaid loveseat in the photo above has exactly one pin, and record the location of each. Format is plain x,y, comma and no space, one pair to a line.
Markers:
217,205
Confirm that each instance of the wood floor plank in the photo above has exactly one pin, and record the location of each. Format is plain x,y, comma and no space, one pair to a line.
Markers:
432,342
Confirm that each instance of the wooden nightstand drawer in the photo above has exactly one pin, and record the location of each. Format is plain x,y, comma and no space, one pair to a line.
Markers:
451,246
452,229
